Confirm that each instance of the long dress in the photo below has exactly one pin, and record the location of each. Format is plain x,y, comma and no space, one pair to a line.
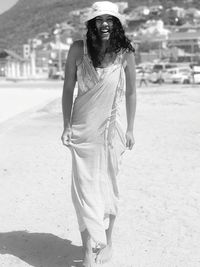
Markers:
97,143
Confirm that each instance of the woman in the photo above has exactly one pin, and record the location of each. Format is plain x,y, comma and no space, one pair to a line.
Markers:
104,67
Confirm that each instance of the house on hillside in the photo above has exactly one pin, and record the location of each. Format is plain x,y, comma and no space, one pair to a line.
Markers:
188,27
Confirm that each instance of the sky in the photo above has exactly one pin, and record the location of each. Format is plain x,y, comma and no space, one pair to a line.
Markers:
6,4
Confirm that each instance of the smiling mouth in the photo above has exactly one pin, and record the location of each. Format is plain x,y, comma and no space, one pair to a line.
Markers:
105,31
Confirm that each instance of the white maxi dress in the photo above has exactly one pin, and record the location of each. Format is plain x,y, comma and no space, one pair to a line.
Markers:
97,144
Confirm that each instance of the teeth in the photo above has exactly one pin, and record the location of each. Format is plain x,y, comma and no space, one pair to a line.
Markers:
105,30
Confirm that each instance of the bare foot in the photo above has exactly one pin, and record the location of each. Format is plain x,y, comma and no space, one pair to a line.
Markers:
88,259
104,254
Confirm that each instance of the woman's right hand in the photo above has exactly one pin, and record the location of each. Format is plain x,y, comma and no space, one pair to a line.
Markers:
66,137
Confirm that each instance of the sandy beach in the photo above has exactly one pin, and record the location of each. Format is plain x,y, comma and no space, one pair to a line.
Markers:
159,218
18,97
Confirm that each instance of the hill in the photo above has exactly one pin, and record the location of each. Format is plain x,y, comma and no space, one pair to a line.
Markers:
27,18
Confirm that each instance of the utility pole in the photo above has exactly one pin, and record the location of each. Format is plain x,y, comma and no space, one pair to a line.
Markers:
57,32
32,43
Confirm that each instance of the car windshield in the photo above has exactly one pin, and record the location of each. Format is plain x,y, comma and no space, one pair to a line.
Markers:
184,71
158,67
169,66
172,71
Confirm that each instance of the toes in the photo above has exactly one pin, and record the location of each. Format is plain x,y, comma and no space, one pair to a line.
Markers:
98,260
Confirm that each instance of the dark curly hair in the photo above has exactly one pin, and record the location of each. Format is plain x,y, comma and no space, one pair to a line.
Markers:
118,41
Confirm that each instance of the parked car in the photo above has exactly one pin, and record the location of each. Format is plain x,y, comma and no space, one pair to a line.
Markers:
156,77
163,66
58,75
178,75
159,71
196,74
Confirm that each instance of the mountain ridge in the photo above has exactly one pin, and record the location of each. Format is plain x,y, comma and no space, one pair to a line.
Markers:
27,18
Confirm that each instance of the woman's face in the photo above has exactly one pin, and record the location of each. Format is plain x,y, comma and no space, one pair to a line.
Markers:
104,25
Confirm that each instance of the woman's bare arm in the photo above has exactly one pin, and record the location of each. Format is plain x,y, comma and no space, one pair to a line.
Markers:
69,84
68,89
130,97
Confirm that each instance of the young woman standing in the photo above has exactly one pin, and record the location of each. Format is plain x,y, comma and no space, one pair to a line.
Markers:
103,64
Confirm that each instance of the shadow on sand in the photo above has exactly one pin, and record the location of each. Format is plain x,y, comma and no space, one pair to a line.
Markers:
41,249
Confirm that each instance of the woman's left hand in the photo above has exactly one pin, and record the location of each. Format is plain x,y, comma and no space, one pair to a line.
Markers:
130,141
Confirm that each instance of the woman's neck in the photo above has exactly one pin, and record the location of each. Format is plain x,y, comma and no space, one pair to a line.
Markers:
104,46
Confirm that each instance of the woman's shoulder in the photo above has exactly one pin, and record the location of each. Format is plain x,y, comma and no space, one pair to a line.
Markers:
127,53
76,50
77,47
127,56
78,44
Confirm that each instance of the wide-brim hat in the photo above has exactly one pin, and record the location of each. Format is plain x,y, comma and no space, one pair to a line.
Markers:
101,8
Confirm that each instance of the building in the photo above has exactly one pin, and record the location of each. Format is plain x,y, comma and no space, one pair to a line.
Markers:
189,42
13,66
16,67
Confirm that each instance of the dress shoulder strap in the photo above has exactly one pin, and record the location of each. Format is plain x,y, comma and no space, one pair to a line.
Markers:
85,46
121,59
124,59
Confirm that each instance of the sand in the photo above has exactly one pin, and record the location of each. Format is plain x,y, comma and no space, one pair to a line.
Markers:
22,96
159,218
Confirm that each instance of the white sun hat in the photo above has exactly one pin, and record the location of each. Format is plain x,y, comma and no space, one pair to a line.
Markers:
102,8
